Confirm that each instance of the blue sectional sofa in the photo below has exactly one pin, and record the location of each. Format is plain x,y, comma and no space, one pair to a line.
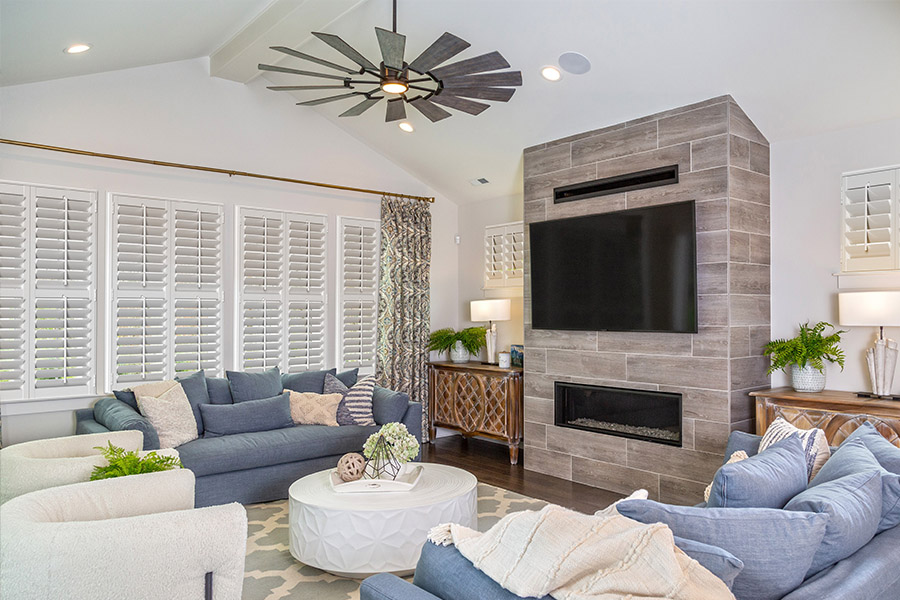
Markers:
258,466
442,573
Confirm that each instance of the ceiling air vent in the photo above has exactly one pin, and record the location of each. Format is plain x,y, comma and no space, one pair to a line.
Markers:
479,181
614,185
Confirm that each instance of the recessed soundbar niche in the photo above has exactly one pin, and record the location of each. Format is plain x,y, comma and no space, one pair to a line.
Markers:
629,182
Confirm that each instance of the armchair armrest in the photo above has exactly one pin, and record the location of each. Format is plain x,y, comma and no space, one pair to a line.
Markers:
115,415
385,586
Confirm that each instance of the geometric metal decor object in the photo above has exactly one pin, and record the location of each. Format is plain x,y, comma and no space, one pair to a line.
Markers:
423,83
384,463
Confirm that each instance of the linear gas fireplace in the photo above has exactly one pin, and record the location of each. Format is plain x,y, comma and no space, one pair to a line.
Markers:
638,414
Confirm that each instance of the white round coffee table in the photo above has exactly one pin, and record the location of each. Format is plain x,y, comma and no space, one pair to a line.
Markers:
357,535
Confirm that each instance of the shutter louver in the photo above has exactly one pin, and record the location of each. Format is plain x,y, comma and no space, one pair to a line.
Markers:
141,247
504,255
359,293
63,242
13,280
306,257
493,257
262,260
198,250
12,346
262,347
13,216
141,339
197,323
514,255
306,335
62,338
870,221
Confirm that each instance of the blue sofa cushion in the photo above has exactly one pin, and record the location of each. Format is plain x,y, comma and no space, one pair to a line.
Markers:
209,456
854,457
246,417
308,381
721,563
194,386
853,506
115,415
254,386
766,480
219,390
739,440
887,454
348,377
388,406
126,396
776,546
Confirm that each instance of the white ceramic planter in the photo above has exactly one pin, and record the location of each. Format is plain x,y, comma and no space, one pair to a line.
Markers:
807,379
458,354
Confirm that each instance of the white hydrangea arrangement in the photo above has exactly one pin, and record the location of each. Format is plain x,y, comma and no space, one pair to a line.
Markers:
404,445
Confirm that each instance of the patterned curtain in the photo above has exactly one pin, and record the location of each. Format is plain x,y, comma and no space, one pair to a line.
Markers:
404,304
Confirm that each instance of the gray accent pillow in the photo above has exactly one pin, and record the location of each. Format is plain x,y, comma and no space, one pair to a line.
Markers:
254,386
887,454
333,385
308,381
853,506
349,377
776,546
194,386
767,480
219,390
739,440
356,407
126,396
246,417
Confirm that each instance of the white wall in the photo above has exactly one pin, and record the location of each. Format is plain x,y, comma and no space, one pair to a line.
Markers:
176,112
806,211
473,218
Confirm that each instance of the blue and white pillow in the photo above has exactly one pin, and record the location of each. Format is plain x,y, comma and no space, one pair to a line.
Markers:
356,407
814,442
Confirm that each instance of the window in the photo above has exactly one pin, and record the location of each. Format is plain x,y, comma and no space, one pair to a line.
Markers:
47,291
167,288
282,282
358,288
504,255
870,217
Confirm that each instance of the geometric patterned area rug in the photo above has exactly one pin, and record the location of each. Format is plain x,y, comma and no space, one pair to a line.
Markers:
271,573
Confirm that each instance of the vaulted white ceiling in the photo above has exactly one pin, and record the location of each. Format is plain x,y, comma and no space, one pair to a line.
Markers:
796,67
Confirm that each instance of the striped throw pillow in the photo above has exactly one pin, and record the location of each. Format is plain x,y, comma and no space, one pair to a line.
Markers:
358,401
815,444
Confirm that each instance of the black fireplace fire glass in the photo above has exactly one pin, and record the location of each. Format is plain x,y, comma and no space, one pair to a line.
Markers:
638,414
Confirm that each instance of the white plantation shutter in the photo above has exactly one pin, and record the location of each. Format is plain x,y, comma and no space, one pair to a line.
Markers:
13,284
359,247
141,340
283,284
13,340
504,255
62,339
870,216
198,335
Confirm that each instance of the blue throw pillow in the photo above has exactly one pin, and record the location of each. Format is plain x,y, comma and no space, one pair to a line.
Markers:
853,506
776,546
126,396
219,390
308,381
115,415
739,440
720,563
248,416
854,457
349,377
254,386
766,480
887,454
333,385
194,386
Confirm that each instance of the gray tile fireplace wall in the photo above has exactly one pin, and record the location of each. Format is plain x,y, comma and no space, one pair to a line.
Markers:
723,164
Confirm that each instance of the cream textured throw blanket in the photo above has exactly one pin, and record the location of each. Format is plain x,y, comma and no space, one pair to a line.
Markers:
573,556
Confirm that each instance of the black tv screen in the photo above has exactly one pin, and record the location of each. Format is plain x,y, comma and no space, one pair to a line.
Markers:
631,270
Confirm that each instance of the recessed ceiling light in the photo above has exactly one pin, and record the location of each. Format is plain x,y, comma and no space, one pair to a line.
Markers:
77,48
551,73
574,63
406,126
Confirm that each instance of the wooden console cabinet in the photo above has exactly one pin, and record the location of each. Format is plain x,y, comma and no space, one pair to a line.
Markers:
477,399
837,413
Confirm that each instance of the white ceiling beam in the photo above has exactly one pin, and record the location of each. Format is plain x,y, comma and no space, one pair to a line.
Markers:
282,23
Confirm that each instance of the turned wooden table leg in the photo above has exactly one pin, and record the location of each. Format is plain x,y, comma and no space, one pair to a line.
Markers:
513,453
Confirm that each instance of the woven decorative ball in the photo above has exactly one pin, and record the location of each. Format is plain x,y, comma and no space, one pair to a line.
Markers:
351,466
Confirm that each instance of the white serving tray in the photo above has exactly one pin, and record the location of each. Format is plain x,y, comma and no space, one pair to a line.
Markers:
405,482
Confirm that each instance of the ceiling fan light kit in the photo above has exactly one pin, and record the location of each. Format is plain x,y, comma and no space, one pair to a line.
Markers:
423,83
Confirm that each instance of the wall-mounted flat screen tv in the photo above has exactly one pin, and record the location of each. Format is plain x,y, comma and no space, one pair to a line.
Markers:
630,270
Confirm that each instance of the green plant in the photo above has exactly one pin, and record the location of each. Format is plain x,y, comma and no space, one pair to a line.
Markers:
472,339
404,445
123,463
808,348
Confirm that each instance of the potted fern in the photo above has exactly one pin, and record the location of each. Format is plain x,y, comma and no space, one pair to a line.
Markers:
461,344
806,354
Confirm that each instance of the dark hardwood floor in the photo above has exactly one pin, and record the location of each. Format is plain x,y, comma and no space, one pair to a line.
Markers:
489,462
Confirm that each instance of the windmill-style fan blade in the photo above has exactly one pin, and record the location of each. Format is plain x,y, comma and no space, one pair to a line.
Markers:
297,88
511,78
392,46
298,72
483,93
360,108
468,106
396,110
327,99
486,62
444,48
345,49
318,61
432,111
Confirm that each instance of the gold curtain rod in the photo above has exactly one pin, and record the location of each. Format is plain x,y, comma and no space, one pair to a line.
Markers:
228,172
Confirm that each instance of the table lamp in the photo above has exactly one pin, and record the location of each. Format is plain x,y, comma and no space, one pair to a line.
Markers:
490,311
874,309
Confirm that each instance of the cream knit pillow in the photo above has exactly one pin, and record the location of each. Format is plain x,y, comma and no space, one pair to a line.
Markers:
167,408
814,442
735,457
309,408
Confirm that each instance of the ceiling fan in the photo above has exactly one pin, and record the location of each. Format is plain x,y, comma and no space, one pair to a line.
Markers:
423,84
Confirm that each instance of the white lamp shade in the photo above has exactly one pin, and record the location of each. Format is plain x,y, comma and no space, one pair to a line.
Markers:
869,309
490,310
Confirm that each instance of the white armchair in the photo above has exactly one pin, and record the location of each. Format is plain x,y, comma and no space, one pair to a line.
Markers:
135,537
40,464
